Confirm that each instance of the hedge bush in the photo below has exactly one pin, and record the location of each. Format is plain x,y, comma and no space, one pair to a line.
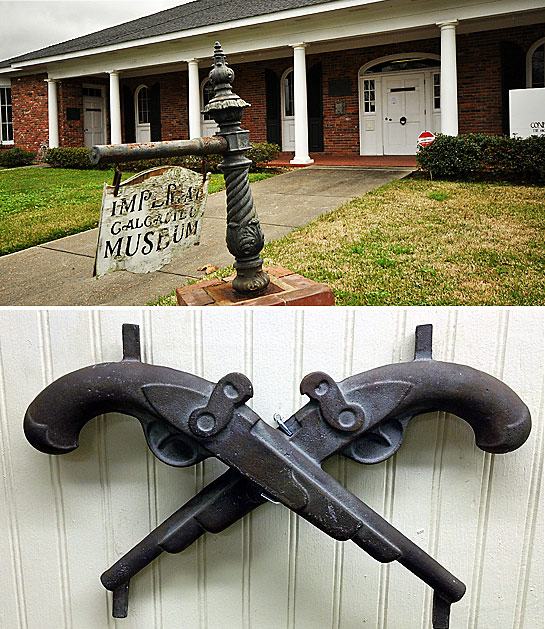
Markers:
70,157
485,157
78,158
16,156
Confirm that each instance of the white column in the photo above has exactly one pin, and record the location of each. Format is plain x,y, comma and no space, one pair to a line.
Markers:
194,99
115,109
300,106
449,85
53,113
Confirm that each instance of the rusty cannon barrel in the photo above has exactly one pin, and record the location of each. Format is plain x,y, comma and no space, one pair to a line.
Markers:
108,153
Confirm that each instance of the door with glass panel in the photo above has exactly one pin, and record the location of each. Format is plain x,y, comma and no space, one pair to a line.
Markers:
288,112
142,114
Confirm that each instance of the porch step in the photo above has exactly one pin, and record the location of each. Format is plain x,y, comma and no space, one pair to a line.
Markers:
327,159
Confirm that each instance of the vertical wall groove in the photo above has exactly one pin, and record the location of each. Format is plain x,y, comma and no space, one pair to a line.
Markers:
531,520
198,369
151,471
247,520
486,483
13,529
389,483
95,333
338,560
55,473
298,331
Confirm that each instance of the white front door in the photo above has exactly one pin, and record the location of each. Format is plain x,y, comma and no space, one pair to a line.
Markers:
143,132
288,112
93,121
403,113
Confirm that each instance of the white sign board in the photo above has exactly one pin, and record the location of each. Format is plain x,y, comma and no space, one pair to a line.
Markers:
527,112
155,215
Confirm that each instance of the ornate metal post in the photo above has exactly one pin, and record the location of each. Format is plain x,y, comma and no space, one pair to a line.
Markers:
244,237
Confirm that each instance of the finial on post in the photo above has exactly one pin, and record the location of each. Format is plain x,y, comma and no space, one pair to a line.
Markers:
245,237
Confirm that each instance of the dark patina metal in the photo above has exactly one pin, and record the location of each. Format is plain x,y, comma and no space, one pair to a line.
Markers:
187,419
244,237
115,153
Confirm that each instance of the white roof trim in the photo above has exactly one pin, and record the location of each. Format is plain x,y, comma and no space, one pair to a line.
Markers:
204,30
463,10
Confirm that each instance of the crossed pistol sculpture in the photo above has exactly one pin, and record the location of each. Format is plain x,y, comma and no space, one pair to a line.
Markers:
187,419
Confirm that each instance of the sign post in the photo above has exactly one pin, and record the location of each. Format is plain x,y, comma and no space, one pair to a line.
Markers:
244,234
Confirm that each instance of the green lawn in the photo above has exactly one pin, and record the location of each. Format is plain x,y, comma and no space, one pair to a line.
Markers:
415,242
41,204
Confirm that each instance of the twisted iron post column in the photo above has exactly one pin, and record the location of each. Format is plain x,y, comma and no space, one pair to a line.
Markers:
244,237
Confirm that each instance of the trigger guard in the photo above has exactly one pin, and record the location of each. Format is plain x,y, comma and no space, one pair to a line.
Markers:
172,447
378,444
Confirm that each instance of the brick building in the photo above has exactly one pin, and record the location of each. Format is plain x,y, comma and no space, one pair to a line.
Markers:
339,76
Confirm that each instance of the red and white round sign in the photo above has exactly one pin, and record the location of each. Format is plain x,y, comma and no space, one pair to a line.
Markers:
425,138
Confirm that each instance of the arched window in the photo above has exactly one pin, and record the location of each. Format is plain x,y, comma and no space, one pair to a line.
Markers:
142,117
535,65
142,105
207,95
400,64
287,110
287,93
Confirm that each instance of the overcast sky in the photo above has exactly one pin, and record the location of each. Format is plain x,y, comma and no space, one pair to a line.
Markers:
28,25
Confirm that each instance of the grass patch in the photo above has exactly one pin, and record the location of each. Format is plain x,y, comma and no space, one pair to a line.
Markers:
412,242
41,204
438,195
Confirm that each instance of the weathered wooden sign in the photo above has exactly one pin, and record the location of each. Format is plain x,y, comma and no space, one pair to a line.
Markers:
155,215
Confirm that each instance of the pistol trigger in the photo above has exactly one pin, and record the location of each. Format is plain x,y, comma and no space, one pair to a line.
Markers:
378,444
173,447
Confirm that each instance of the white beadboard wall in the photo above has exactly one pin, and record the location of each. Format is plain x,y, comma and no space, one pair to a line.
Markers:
65,519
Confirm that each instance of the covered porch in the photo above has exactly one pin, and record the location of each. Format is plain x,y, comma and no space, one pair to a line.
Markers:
346,85
329,159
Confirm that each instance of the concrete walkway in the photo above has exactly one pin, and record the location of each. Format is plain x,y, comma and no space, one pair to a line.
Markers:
59,273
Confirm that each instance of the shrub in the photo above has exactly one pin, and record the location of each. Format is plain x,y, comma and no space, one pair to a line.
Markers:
480,156
261,154
69,157
78,157
15,157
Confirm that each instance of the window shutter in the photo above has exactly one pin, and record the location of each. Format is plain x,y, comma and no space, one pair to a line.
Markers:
128,108
272,98
315,109
155,112
513,71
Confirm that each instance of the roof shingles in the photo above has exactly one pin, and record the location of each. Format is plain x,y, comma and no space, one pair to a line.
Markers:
181,18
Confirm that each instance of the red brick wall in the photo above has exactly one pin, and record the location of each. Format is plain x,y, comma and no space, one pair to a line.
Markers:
173,96
479,92
479,76
30,121
70,95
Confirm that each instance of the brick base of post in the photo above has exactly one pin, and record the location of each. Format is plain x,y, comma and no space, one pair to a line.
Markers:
285,289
